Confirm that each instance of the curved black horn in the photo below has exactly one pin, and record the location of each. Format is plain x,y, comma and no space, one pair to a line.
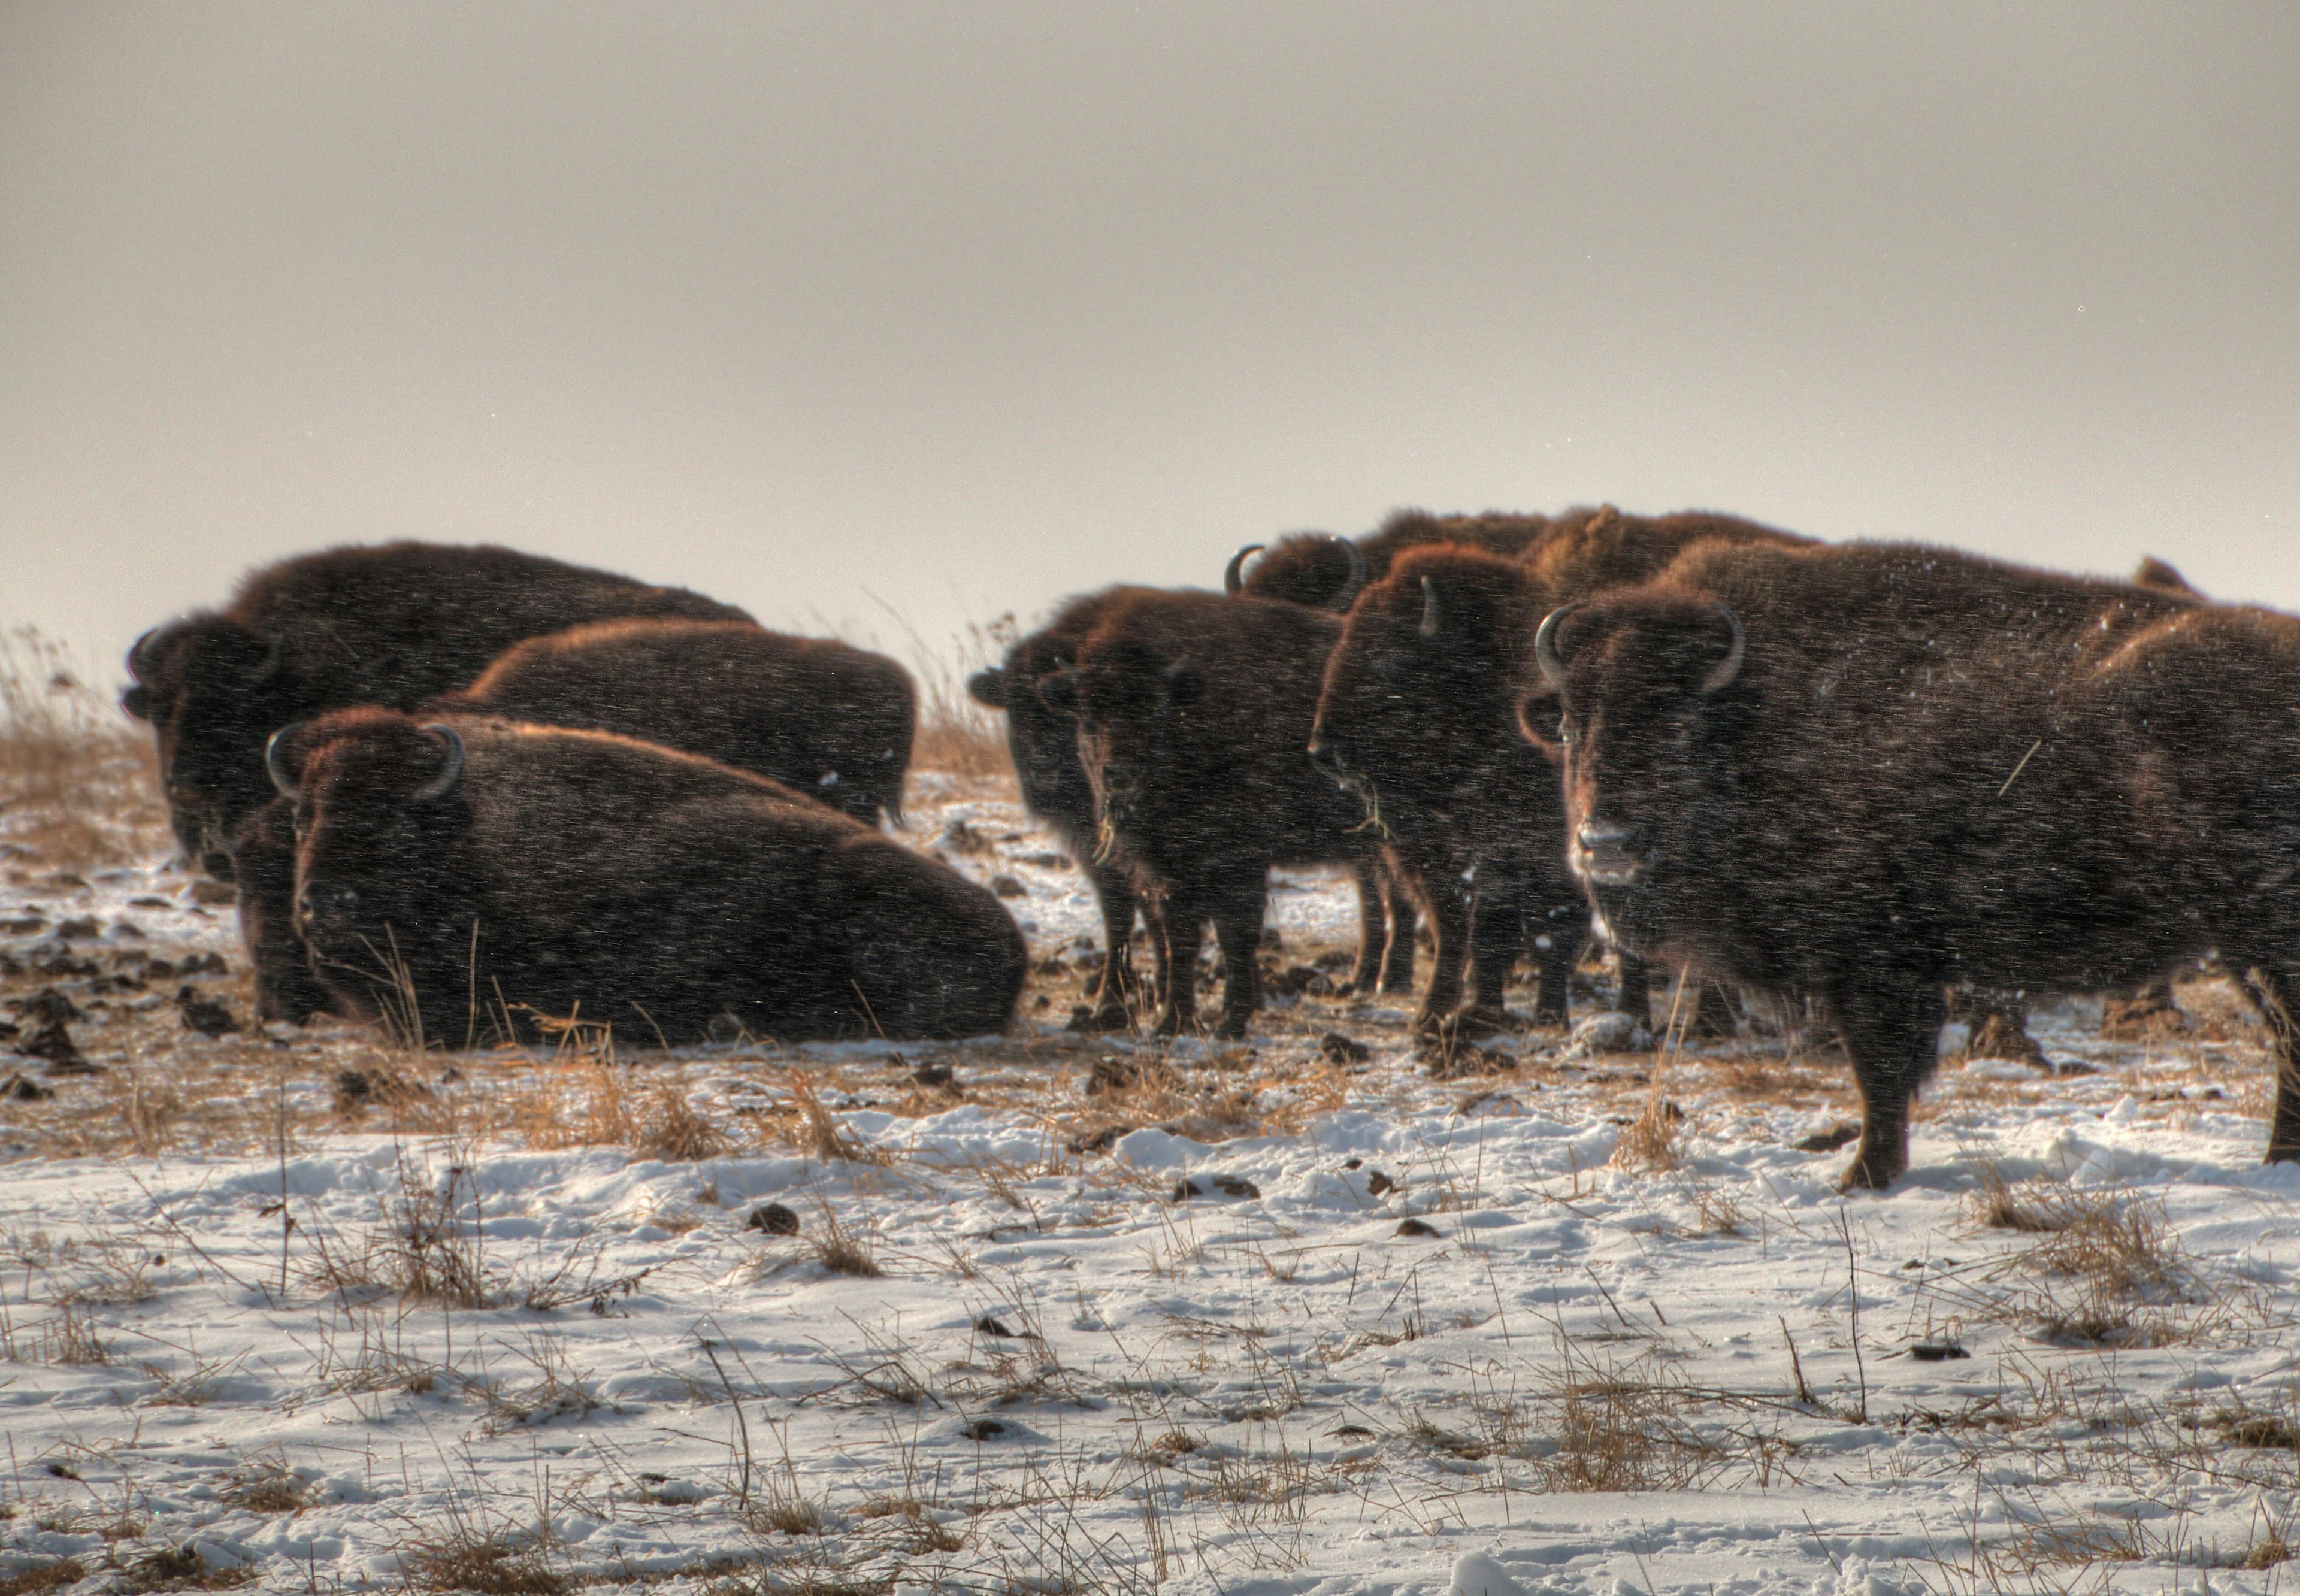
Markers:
438,786
1544,645
1233,580
1349,592
278,767
1429,627
1730,666
136,661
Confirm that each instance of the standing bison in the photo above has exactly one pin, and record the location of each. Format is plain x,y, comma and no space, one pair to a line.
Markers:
1193,713
1866,773
468,873
1417,717
393,625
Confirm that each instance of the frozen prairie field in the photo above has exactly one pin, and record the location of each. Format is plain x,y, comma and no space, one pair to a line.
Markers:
306,1311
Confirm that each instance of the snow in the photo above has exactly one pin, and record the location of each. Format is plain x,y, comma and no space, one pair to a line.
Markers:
1064,1378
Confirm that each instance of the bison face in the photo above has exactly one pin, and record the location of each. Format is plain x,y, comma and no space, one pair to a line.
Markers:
1132,705
1645,715
376,801
1315,569
1416,699
214,691
1041,729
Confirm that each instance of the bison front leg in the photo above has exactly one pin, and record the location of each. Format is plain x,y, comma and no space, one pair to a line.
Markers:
1892,1035
1237,915
2278,993
1117,992
1634,996
1449,904
1497,930
1177,930
1385,934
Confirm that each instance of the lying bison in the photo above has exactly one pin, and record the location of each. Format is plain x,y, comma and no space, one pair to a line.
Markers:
1867,773
1418,718
1193,713
827,717
454,873
393,625
831,722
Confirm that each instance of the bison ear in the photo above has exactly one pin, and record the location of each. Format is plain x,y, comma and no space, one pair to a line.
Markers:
137,701
1184,686
234,649
987,687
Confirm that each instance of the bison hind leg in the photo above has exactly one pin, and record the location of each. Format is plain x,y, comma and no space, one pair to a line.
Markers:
1892,1035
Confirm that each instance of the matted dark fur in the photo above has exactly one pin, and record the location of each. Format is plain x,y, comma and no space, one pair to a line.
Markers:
393,625
1193,718
567,873
1932,769
1417,717
825,716
1043,740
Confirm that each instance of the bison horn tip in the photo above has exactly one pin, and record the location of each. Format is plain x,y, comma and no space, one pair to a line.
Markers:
276,766
1730,667
1544,645
1429,627
452,772
1234,573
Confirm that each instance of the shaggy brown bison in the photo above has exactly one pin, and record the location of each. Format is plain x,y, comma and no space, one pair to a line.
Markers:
1867,773
459,872
393,625
1417,717
1327,572
1043,741
1194,711
827,717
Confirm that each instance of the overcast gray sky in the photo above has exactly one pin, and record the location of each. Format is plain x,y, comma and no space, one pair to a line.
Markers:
958,309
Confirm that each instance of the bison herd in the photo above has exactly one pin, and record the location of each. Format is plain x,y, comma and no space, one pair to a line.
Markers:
470,792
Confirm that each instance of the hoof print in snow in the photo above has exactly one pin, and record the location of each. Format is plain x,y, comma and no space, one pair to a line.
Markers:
773,1218
1415,1228
1831,1139
1006,886
1337,1049
1217,1186
1936,1351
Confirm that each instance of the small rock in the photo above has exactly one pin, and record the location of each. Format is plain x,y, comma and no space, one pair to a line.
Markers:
990,1324
204,891
205,1015
79,929
1219,1185
773,1218
1831,1139
23,1088
1936,1351
1377,1182
1097,1141
1341,1049
1006,886
934,1076
984,1429
1414,1227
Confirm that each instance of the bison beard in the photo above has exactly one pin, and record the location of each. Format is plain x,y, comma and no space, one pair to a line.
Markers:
1194,711
394,625
1869,772
452,874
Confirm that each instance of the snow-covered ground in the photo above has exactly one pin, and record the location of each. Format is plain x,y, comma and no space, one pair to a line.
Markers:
1099,1314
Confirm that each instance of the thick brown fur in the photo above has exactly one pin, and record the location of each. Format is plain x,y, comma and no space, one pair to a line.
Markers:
1418,715
1043,741
1194,714
1931,769
570,872
392,625
831,720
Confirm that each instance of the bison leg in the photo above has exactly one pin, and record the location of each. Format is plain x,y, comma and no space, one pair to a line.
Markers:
264,863
1237,916
1385,960
1554,948
1892,1035
1115,991
1450,907
1635,997
2278,993
1178,930
1713,1019
1497,930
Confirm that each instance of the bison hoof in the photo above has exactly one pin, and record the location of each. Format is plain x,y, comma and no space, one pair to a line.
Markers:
1086,1021
1868,1176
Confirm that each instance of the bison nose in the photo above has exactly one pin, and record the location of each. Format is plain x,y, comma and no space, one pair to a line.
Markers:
323,910
1606,854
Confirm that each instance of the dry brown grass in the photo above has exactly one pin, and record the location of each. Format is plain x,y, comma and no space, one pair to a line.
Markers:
490,1563
43,1577
78,781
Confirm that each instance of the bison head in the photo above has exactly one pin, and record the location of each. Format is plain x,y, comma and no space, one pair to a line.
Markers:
1420,693
213,690
1315,569
1041,730
1132,705
1649,698
378,808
